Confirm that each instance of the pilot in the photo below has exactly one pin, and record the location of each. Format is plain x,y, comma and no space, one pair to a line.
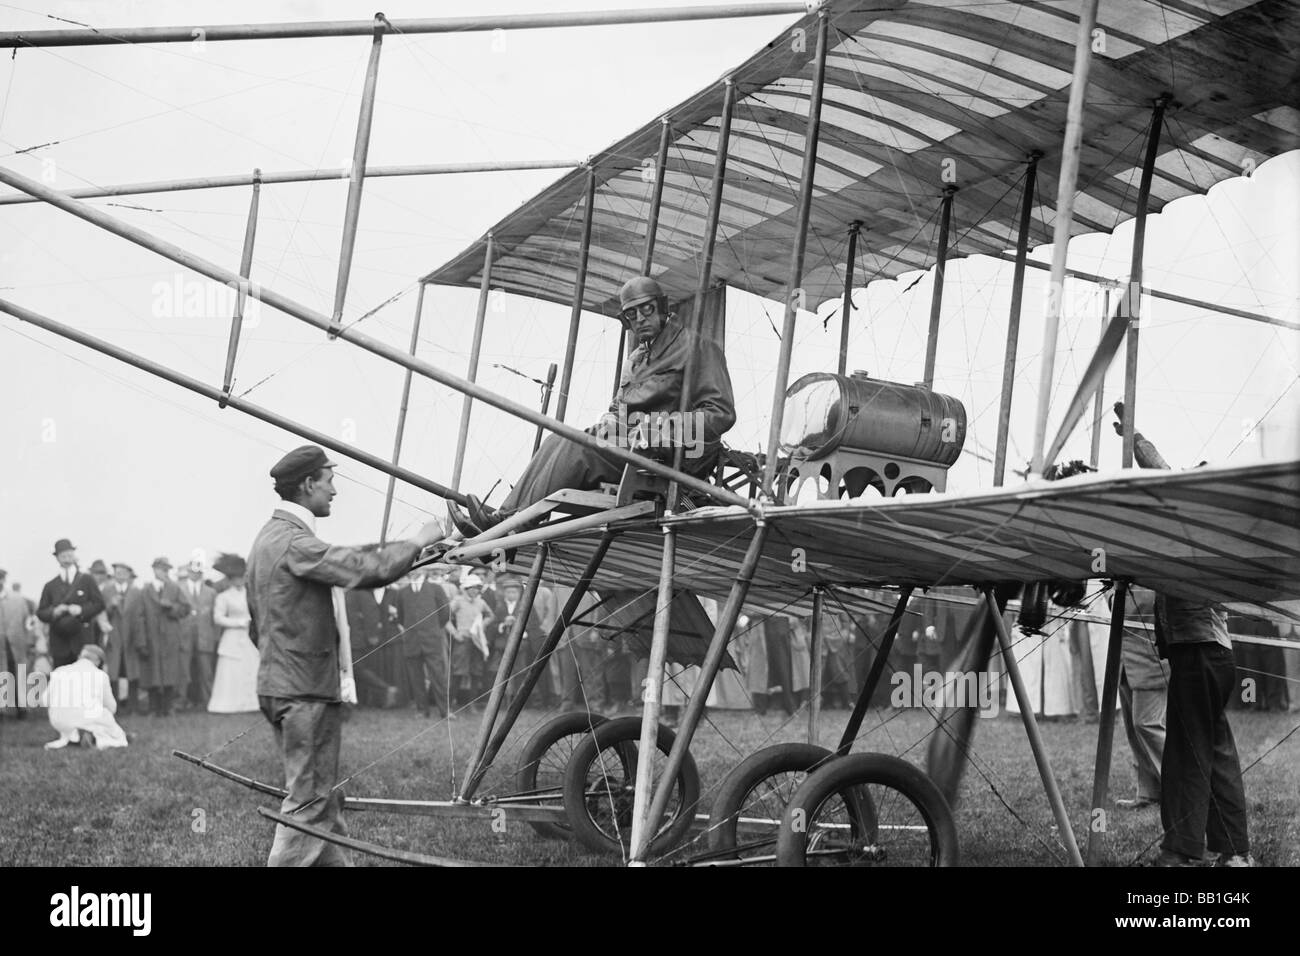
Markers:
642,416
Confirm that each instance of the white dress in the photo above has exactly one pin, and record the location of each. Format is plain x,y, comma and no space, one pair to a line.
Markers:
80,699
234,688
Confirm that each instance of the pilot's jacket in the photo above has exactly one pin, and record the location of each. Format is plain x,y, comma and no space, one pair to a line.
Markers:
651,382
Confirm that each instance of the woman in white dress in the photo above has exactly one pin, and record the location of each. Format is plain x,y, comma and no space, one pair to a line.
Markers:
234,689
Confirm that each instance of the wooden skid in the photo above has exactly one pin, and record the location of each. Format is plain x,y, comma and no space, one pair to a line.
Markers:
449,809
362,846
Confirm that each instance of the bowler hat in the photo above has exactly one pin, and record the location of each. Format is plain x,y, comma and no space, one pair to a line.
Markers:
162,563
63,544
299,464
98,567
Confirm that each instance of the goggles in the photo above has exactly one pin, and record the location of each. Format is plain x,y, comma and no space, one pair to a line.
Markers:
645,308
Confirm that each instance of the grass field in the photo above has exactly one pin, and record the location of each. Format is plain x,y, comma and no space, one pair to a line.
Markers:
142,806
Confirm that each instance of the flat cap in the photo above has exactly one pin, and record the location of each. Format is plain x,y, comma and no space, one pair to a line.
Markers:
93,652
123,564
300,463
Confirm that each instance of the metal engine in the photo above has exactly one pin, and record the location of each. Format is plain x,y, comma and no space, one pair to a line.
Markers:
856,432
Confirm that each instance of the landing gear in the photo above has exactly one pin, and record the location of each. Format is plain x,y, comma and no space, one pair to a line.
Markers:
910,823
752,800
600,781
543,759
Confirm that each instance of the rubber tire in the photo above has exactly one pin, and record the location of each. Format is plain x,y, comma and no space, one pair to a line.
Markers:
746,775
864,769
627,730
546,736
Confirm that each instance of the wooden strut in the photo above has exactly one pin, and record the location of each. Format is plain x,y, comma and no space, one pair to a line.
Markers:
401,415
793,289
471,374
1066,183
522,807
1099,399
579,290
245,269
815,664
878,663
473,774
652,229
362,846
534,671
1160,294
1013,319
546,403
350,28
1106,722
652,698
238,404
1063,826
357,175
846,309
1131,300
694,710
936,294
1123,323
293,176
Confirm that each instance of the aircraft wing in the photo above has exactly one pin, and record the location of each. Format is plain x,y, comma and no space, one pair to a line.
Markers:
919,94
1217,533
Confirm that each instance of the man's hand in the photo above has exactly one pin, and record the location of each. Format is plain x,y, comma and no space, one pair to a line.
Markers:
432,532
74,610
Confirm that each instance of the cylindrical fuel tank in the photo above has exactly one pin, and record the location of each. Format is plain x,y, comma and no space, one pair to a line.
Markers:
825,411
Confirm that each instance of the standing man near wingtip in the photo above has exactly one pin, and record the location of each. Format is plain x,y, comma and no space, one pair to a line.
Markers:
290,574
69,604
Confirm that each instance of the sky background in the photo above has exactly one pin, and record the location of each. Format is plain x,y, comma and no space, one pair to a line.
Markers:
130,467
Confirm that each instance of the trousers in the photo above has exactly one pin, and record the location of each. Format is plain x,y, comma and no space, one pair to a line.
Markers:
1202,798
1144,724
428,666
560,463
308,734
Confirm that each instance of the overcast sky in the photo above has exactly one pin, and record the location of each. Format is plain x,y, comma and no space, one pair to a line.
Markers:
130,467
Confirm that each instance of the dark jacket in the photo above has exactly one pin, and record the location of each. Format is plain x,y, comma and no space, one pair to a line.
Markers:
423,617
290,573
371,622
69,633
200,632
652,382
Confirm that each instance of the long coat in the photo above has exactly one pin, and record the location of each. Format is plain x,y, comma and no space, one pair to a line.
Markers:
154,624
118,662
68,634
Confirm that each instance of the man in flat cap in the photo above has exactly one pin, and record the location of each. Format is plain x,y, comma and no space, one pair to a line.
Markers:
69,604
290,575
650,388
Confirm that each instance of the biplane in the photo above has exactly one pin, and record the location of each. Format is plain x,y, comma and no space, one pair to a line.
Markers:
822,163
